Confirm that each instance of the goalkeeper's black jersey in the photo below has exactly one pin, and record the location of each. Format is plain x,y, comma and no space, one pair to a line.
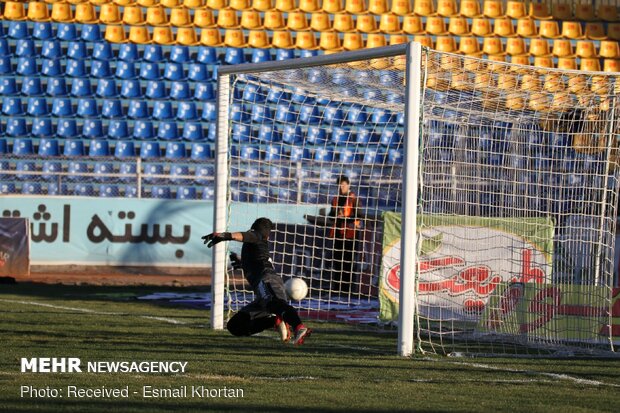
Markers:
255,257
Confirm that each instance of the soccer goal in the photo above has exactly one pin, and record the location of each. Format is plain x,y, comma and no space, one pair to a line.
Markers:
484,208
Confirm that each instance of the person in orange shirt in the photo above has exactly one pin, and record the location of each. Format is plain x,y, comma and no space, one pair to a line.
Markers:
344,231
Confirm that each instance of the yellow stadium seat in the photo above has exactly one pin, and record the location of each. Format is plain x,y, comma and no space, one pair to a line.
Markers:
424,40
194,4
562,101
590,65
520,60
239,5
115,34
608,12
282,39
378,7
515,101
516,9
262,5
445,44
507,80
469,46
435,25
110,14
156,16
99,2
549,29
122,3
355,6
211,37
585,49
420,7
234,38
458,26
14,10
450,62
613,31
572,30
306,41
515,46
553,83
139,35
227,19
503,27
584,12
433,81
609,49
544,62
132,15
398,39
320,22
330,41
285,5
170,4
461,81
61,12
526,28
38,11
530,82
577,83
274,20
367,23
481,26
343,23
483,79
562,11
539,47
186,36
493,9
179,17
146,3
259,39
539,11
493,46
470,8
539,102
389,23
594,31
353,41
309,6
567,63
562,48
412,24
375,40
600,85
496,63
447,8
611,65
217,4
204,18
85,13
297,21
332,6
163,35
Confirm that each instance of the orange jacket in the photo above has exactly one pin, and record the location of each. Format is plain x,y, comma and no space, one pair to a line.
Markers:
344,226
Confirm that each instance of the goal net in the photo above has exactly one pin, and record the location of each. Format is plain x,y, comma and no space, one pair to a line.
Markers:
471,203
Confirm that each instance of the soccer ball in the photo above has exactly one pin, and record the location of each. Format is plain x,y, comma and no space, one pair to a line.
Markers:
296,289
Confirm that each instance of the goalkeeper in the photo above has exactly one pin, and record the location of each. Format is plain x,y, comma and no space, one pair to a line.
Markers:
270,308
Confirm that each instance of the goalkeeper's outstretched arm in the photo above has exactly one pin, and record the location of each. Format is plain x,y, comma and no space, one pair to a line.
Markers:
217,237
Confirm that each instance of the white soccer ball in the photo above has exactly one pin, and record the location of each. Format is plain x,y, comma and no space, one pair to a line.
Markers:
296,289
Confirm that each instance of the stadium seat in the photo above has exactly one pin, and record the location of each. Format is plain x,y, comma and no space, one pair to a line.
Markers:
174,71
92,129
42,127
98,147
609,49
102,168
12,106
37,106
128,52
131,89
150,150
109,191
48,147
138,109
539,47
16,127
186,192
390,137
81,189
179,174
22,146
112,109
481,26
175,150
86,13
459,26
526,28
572,30
87,108
167,131
607,12
106,88
516,46
31,188
26,66
204,174
118,129
124,149
50,170
81,87
18,30
585,49
200,151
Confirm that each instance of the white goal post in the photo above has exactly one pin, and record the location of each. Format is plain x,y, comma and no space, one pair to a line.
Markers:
484,206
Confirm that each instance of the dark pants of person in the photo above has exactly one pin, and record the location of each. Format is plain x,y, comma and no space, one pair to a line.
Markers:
261,313
342,264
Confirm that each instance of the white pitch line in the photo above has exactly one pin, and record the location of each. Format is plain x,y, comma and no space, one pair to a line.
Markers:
89,311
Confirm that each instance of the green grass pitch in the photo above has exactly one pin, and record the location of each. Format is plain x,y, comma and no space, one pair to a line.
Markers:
338,370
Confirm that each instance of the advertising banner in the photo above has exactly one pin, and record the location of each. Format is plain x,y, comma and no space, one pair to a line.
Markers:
14,247
462,260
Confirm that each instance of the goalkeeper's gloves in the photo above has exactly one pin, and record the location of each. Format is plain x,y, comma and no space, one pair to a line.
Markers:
235,261
216,238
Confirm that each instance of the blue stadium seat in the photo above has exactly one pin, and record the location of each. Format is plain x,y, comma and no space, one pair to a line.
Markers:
276,96
62,107
149,71
192,131
130,89
54,189
138,109
285,113
118,129
292,135
273,153
299,154
99,147
162,110
197,72
309,115
92,129
180,91
366,136
261,113
253,93
208,193
207,55
340,136
201,151
186,192
23,168
6,66
67,31
103,51
204,91
347,156
37,106
75,68
241,133
395,156
7,188
240,194
25,48
109,191
125,70
268,133
5,49
382,116
16,127
31,188
174,71
285,54
324,155
112,108
180,54
128,52
51,67
77,51
50,170
100,69
73,148
106,88
131,191
102,168
373,156
187,111
260,55
151,169
125,149
212,132
4,166
26,66
150,150
12,106
48,147
87,108
83,189
333,115
178,173
22,146
156,90
357,114
56,86
278,174
390,137
42,127
143,130
249,152
204,174
234,56
161,192
8,86
175,150
167,131
42,31
129,169
91,33
51,49
153,53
